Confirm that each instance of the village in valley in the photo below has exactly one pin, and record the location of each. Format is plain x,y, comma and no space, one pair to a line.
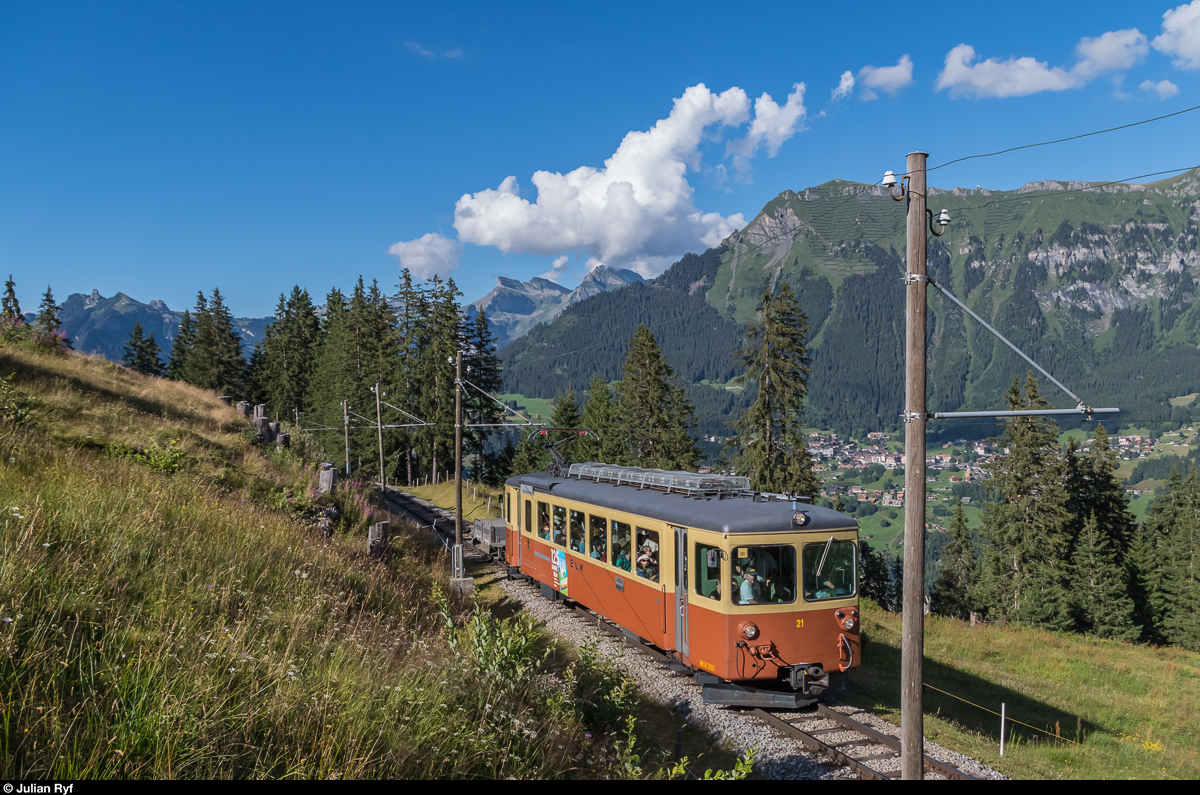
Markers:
867,474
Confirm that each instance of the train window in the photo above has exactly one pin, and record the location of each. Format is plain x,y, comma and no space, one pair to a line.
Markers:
577,531
508,514
647,554
829,570
598,538
543,521
707,565
528,516
764,574
560,525
622,537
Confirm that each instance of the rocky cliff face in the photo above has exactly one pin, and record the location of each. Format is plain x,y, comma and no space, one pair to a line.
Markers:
513,306
1093,280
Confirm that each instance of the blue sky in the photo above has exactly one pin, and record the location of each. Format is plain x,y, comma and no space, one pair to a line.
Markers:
162,148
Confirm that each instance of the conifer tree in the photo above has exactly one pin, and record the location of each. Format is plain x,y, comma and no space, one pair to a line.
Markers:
895,600
959,570
1150,553
215,359
655,415
47,320
411,340
482,368
1025,576
772,452
600,416
288,355
133,348
1180,597
1102,603
873,579
11,307
181,349
565,414
141,352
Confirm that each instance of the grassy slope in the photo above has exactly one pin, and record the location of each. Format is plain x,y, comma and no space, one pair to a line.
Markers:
166,614
1136,708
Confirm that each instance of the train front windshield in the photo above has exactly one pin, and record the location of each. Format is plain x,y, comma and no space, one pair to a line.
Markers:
829,571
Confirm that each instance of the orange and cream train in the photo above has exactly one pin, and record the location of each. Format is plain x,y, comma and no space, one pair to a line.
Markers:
754,594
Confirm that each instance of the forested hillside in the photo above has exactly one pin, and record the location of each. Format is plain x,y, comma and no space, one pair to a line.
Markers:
1097,282
591,338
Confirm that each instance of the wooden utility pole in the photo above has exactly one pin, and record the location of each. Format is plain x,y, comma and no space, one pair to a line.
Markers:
912,740
458,580
346,424
379,427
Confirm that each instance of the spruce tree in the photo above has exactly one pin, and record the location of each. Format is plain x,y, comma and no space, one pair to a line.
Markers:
1102,603
482,368
873,576
134,348
600,417
411,340
181,348
47,320
959,570
655,415
770,442
895,600
1180,596
288,355
1025,576
11,307
1150,559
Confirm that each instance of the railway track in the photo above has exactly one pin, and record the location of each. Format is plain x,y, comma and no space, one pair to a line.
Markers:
868,752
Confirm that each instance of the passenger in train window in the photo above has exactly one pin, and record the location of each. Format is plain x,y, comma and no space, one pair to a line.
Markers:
577,544
647,564
751,590
544,521
598,538
621,539
560,525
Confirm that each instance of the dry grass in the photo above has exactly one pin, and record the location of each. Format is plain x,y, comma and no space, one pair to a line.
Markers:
165,612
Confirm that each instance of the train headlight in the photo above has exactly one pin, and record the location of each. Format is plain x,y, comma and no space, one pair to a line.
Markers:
749,630
846,621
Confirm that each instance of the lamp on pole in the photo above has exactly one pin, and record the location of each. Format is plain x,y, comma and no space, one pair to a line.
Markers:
912,740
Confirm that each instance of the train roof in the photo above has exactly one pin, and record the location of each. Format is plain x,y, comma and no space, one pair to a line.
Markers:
723,512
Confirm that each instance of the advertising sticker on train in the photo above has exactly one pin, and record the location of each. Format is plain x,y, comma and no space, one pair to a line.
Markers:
558,564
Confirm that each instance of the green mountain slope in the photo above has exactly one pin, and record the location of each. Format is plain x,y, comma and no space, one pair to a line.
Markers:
1097,282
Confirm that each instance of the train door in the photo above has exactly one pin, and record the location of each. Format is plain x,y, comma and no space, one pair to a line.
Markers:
681,591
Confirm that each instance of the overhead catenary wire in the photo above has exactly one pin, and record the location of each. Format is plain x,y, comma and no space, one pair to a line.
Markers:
1063,140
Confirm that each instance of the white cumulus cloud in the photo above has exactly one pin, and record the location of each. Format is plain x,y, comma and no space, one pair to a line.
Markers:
1117,49
888,79
1113,51
772,124
1181,35
1015,77
874,79
637,210
1164,88
429,254
845,86
558,268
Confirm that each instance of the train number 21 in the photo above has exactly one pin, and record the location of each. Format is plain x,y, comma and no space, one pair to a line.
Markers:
799,623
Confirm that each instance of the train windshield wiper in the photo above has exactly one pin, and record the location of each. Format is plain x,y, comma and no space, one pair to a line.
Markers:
824,554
